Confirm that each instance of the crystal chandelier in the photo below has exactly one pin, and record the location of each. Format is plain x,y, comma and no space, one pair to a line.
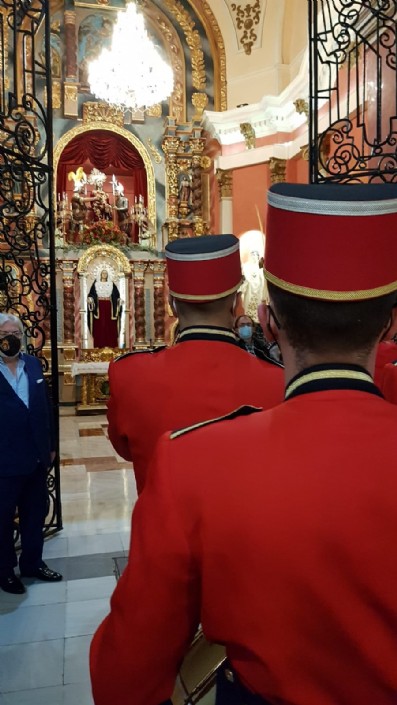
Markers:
132,74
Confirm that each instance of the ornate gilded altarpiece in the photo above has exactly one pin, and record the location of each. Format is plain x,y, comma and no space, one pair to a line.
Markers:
171,144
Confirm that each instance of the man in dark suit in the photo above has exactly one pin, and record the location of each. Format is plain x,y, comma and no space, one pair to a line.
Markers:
26,452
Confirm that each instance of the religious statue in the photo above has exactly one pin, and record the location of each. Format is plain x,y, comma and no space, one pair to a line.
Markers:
104,311
78,203
121,206
253,289
185,188
101,208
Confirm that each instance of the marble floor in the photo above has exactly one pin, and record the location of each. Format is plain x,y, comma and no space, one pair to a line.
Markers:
45,633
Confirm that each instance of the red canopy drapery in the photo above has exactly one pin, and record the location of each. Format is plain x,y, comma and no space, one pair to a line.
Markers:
104,150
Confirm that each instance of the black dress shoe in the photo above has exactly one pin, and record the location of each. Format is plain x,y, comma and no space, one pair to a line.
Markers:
12,584
43,573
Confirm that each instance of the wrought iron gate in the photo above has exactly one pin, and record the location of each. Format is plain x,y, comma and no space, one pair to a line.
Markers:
353,90
27,254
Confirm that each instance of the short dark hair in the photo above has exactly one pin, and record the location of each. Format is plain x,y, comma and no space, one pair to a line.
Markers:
243,315
321,326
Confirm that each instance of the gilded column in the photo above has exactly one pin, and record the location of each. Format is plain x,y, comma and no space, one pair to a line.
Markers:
170,147
278,168
68,268
71,45
197,145
159,303
225,186
139,269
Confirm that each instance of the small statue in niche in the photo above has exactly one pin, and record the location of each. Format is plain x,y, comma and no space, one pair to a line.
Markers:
121,206
101,208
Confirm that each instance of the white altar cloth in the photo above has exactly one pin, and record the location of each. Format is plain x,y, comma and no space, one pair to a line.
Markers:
89,368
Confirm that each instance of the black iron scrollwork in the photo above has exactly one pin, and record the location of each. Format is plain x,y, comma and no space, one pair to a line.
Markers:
27,254
353,100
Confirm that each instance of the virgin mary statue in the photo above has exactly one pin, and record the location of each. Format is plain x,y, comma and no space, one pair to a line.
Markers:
104,312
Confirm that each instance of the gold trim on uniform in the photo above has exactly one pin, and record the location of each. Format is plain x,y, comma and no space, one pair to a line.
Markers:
327,374
328,295
208,331
232,414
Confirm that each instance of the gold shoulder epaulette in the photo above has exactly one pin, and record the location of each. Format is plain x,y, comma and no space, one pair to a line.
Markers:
140,352
241,411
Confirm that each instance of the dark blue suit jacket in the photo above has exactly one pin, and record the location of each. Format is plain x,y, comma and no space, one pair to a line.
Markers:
26,435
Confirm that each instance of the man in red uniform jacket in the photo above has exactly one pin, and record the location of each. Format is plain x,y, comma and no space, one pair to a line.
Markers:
206,374
277,530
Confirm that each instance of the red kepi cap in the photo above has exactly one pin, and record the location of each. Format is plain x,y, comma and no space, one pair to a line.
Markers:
333,242
202,269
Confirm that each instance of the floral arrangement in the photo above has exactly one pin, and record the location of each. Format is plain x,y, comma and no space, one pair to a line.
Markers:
102,231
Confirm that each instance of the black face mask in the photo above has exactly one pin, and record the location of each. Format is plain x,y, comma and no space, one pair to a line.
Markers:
10,346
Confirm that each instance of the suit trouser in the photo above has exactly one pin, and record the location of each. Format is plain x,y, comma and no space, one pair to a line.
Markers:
29,494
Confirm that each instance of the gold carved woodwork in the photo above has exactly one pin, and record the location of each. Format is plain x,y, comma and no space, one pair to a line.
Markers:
4,12
200,102
71,93
247,17
278,168
130,137
3,301
206,162
94,111
302,107
225,182
109,251
56,95
93,393
154,151
207,18
305,152
155,110
193,41
249,135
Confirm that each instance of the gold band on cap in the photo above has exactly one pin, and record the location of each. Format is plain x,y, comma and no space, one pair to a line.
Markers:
327,295
205,297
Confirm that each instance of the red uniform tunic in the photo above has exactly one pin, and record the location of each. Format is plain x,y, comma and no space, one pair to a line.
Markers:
277,531
205,375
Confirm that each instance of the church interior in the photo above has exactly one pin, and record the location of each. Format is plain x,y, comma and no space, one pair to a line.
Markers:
91,193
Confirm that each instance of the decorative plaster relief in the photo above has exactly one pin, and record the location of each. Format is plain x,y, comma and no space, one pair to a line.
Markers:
248,21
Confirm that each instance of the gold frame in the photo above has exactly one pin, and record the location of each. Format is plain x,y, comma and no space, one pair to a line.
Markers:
104,251
139,146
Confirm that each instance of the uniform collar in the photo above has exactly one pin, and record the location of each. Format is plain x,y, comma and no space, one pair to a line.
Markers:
321,378
223,335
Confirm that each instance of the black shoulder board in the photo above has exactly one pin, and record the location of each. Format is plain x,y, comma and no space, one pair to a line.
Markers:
139,352
241,411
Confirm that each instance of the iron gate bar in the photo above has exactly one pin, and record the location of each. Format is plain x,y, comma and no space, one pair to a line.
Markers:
27,224
349,39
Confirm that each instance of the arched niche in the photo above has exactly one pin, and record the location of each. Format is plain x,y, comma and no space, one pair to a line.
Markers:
132,139
93,260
